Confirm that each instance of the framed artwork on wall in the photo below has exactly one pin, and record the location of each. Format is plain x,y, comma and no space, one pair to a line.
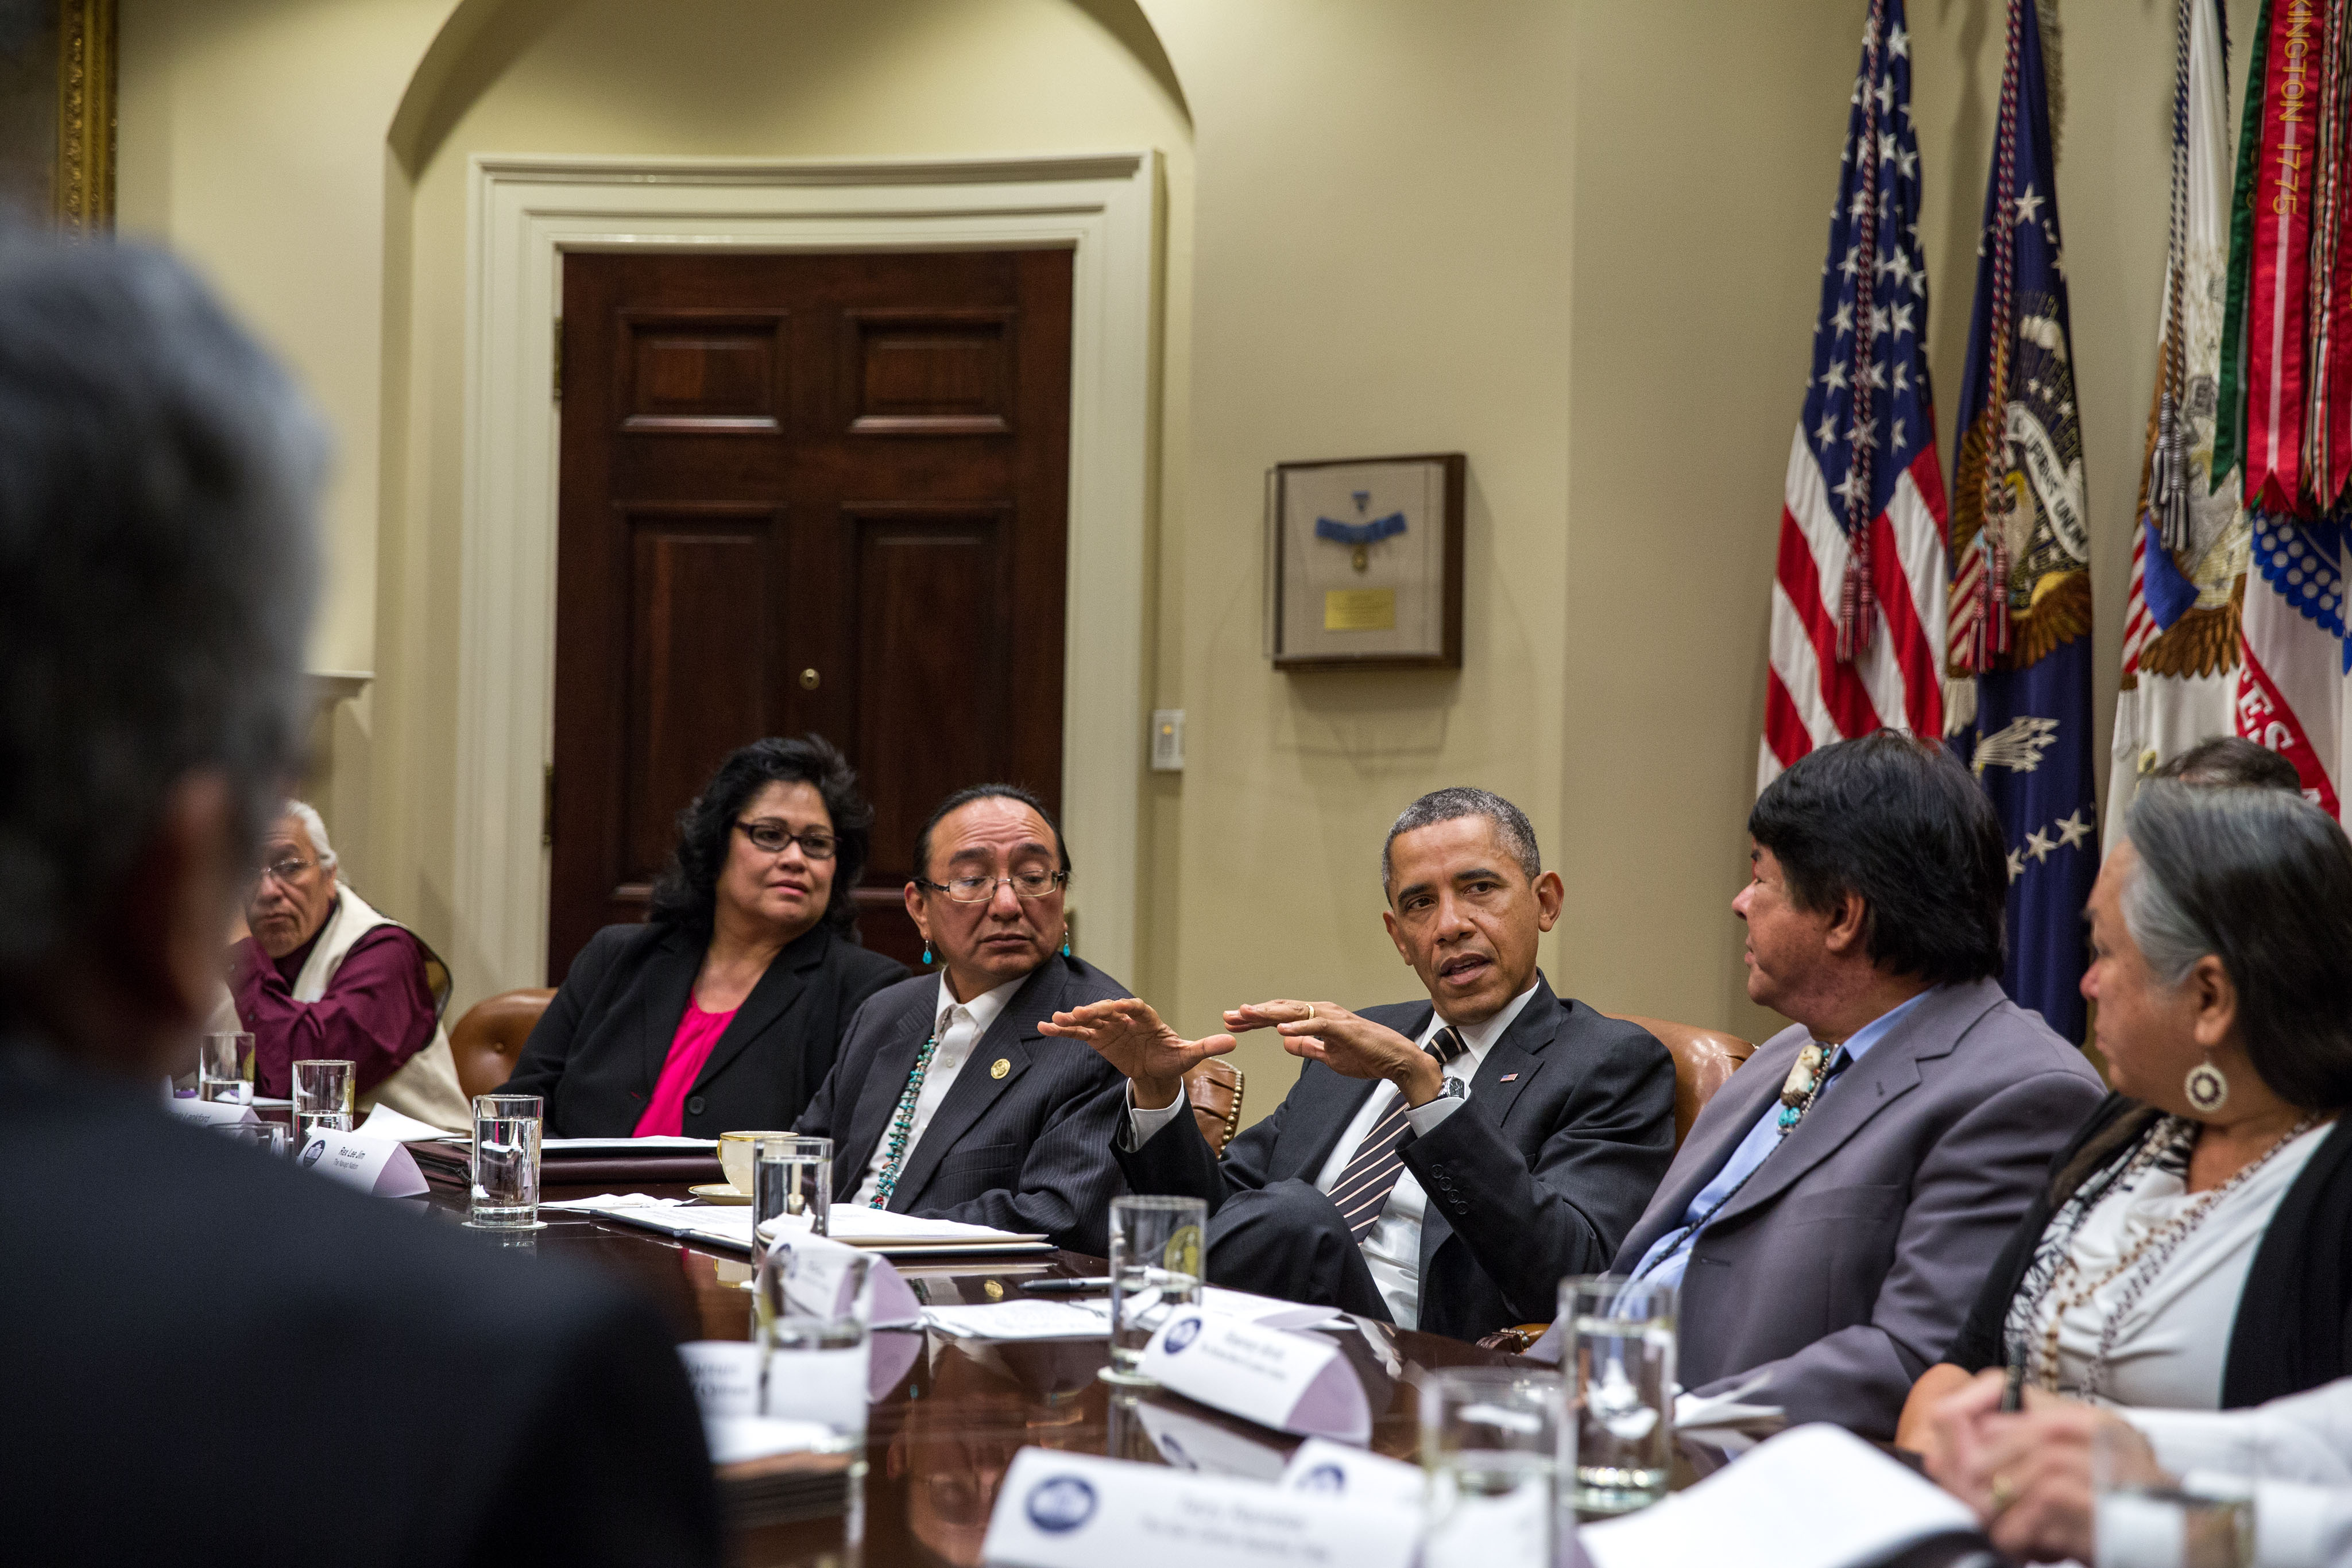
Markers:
57,111
1364,564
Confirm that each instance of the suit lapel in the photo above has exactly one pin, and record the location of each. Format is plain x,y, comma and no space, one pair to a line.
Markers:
669,986
1326,1102
1728,1120
1887,1073
882,1087
976,1086
779,986
1503,1075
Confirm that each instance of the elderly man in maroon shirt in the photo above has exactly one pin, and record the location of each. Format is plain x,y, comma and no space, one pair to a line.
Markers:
324,976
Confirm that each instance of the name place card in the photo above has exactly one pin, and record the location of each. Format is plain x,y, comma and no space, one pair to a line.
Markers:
214,1113
1334,1470
380,1166
1076,1511
1291,1381
819,1276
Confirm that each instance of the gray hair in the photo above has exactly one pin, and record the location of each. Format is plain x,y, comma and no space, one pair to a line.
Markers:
157,478
1511,824
313,825
2261,880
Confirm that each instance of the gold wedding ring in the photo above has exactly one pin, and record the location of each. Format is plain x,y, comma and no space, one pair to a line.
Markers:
1310,1014
2004,1492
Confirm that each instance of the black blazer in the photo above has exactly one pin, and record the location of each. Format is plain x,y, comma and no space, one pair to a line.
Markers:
1029,1151
2292,1329
1535,1178
598,1050
375,1378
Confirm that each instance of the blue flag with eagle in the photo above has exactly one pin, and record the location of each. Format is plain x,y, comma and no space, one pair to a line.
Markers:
2020,600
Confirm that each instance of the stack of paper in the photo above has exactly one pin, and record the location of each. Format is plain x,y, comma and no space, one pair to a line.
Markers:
895,1235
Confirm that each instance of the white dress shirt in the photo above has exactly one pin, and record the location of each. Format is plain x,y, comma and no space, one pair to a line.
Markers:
2302,1444
959,1026
1392,1246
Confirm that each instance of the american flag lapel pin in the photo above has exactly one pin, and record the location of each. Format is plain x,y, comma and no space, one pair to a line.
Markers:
1507,1077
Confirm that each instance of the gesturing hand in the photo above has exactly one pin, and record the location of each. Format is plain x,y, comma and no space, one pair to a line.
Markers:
1130,1037
1350,1046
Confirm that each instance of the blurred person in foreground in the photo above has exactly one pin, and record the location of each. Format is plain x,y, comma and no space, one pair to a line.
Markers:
210,1356
2191,1249
318,974
2234,760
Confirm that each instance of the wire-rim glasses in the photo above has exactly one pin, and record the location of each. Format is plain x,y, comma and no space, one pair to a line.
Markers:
981,889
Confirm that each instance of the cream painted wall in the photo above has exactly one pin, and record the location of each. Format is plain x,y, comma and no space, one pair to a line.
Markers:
1578,242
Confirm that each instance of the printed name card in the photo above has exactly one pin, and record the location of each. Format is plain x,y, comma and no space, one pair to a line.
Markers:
726,1378
1291,1381
1076,1511
214,1113
819,1278
1336,1471
380,1166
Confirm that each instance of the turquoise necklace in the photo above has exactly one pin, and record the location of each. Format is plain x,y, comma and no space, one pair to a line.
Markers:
902,1124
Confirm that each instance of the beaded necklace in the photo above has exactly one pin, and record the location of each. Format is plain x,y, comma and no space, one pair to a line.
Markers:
902,1124
2138,1266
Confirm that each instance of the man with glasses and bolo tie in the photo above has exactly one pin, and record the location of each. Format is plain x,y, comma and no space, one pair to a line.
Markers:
318,974
948,1100
1440,1164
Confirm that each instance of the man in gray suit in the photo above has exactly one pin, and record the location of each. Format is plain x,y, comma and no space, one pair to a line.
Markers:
1839,1202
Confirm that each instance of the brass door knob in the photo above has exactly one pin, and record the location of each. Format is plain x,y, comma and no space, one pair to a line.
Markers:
808,680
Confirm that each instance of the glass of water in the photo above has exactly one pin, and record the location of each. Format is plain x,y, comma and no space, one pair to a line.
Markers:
814,1350
323,1094
506,1162
1617,1446
2144,1515
1490,1451
792,1187
1159,1253
224,1069
266,1136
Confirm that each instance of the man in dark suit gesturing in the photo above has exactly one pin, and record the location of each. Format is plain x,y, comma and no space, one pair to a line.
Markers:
210,1356
947,1101
1440,1164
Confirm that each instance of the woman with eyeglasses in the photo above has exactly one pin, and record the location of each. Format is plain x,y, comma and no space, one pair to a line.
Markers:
725,1009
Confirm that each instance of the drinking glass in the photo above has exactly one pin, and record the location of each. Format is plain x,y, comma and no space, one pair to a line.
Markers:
322,1099
1617,1448
506,1162
266,1136
791,1188
1490,1453
1158,1252
2144,1517
224,1069
812,1327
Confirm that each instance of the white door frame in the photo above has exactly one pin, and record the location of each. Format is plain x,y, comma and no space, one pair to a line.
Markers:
524,213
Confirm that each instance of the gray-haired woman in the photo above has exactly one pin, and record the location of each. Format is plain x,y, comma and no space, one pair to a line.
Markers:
2191,1249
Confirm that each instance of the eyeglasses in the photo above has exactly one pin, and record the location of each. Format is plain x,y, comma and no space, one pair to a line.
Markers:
769,838
981,889
285,871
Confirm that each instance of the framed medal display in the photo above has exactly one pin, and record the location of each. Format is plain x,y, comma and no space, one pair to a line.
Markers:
1364,564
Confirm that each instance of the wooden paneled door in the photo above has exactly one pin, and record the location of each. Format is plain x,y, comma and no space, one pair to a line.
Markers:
807,492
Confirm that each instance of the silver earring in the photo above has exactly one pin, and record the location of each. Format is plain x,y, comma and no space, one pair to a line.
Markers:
2207,1090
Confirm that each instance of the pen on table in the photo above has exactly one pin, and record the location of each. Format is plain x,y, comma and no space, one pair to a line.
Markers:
1064,1287
2013,1389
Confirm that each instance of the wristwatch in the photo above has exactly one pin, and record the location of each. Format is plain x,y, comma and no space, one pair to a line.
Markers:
1451,1089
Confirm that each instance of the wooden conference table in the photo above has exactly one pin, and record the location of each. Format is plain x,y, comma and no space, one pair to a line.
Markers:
939,1443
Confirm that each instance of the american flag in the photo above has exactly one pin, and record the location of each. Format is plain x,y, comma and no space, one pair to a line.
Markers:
1858,594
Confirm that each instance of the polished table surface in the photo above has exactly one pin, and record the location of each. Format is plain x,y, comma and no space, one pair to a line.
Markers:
938,1444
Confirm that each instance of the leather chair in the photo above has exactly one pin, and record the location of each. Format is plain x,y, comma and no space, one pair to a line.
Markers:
488,1040
1705,1060
1214,1089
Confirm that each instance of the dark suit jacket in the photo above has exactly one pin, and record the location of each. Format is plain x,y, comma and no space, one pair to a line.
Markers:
1848,1260
1532,1180
266,1361
1029,1151
599,1049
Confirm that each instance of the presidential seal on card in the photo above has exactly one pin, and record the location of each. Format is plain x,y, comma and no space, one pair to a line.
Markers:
1364,564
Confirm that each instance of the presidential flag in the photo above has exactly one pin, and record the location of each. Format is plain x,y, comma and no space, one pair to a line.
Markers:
1858,591
2020,650
2181,617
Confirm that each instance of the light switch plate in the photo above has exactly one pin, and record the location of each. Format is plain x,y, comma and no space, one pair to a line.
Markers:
1168,740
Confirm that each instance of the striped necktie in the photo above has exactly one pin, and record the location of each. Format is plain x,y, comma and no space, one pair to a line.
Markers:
1363,1188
